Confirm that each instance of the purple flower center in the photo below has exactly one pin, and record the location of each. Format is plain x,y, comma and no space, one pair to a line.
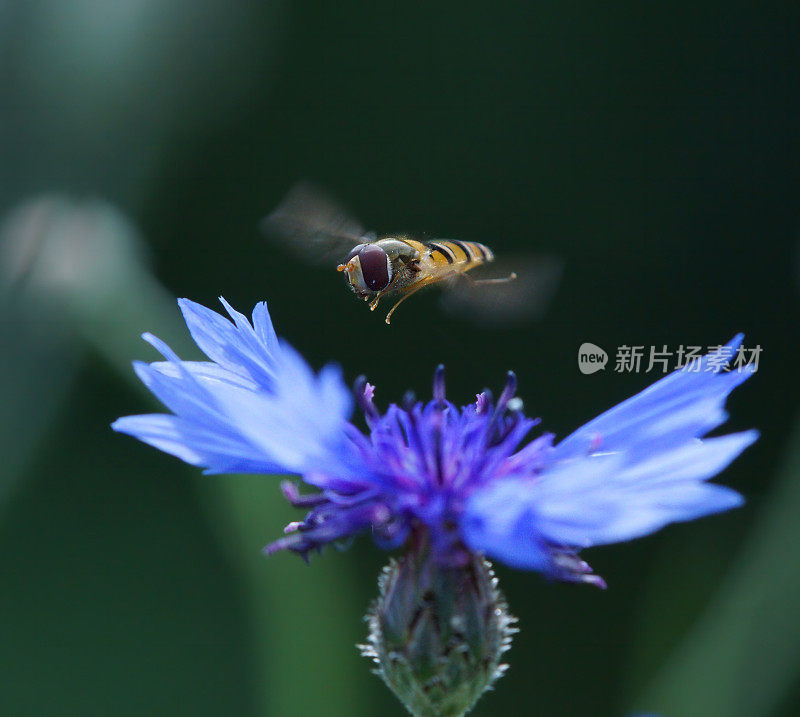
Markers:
424,461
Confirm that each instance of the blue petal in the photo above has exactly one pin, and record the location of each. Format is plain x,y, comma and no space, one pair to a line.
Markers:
160,431
196,444
203,372
255,407
682,405
600,499
627,473
497,523
262,323
581,505
234,347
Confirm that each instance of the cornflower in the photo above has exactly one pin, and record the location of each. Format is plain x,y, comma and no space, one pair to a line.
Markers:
453,485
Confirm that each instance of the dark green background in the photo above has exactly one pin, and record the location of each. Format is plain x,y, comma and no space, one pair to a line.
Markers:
653,148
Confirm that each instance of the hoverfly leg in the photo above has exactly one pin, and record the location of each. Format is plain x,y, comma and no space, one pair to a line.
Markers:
401,300
501,280
374,303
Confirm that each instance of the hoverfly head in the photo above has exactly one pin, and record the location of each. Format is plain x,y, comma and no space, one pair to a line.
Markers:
367,269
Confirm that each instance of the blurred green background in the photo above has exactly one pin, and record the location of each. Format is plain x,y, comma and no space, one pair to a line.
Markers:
653,147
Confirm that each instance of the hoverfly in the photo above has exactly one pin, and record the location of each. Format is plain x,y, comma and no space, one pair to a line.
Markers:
401,265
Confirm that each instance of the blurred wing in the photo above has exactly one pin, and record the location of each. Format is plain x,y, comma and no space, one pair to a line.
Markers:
525,298
311,224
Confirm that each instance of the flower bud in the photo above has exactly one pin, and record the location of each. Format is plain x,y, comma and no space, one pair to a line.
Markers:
436,634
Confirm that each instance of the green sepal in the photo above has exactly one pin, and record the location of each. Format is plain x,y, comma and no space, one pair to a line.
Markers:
437,634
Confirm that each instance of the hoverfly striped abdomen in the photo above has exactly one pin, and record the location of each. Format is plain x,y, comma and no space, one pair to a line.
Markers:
455,252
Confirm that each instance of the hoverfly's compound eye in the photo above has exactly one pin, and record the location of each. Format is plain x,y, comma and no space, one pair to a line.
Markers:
353,252
374,267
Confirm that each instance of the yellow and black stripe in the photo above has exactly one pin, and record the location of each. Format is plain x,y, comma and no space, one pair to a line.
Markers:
452,251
